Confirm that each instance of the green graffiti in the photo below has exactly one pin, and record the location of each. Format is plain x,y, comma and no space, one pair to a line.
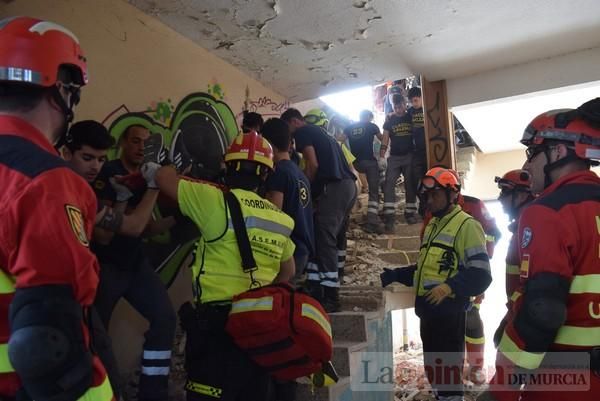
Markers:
217,91
199,129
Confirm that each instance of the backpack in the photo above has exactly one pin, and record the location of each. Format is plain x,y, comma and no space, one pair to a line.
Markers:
284,331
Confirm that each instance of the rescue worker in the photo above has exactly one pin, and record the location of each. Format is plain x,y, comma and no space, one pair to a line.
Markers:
289,189
334,194
252,122
397,134
556,307
319,118
86,151
48,275
126,271
515,193
453,265
474,334
361,136
217,368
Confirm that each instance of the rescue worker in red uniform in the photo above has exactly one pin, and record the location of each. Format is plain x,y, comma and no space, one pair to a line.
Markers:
474,333
556,307
515,193
48,276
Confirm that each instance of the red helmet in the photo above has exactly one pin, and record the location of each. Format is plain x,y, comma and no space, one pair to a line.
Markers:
567,125
439,177
32,51
251,147
515,179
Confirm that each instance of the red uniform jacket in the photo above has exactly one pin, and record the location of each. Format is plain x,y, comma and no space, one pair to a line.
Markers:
559,233
46,219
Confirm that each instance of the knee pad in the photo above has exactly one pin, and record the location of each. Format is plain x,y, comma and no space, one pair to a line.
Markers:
46,346
543,311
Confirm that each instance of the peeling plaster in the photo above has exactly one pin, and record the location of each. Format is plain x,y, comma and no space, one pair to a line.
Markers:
298,52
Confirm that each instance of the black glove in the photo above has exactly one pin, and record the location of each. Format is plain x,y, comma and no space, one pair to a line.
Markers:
388,276
403,275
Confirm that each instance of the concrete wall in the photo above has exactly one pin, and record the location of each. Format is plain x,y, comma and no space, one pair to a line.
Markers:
555,72
136,61
480,182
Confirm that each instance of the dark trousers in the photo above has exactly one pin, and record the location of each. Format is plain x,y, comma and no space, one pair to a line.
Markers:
396,166
102,345
216,367
145,292
443,337
332,213
371,169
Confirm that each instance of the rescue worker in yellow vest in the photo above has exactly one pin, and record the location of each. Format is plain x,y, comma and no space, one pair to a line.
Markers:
453,265
216,368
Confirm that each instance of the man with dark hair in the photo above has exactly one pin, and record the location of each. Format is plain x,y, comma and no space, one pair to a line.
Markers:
360,137
85,151
48,276
397,133
289,189
334,193
126,271
252,122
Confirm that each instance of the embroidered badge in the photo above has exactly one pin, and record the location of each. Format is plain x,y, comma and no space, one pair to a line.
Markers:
526,237
75,218
524,270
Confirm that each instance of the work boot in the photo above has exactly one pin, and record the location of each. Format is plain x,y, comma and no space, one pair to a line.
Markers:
373,228
411,218
331,302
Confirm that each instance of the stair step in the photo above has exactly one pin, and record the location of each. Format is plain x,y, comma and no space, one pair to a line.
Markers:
398,242
351,326
399,257
342,354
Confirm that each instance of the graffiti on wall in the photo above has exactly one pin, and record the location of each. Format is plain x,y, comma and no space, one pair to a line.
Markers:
194,134
263,105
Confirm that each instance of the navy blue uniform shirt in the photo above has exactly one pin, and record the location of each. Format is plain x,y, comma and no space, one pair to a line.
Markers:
291,181
332,163
360,137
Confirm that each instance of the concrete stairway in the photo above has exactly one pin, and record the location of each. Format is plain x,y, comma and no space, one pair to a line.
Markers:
362,351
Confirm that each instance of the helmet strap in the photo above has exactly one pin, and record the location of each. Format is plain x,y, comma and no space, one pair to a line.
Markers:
551,166
67,110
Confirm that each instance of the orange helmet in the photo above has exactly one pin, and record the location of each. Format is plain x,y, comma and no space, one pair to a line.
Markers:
32,51
579,126
251,147
439,177
515,179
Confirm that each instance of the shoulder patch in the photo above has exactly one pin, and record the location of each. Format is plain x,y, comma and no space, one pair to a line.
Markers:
526,237
75,218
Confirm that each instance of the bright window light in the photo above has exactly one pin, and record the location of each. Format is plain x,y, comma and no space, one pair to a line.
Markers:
350,103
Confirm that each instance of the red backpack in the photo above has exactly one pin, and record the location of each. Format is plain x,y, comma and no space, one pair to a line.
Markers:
284,331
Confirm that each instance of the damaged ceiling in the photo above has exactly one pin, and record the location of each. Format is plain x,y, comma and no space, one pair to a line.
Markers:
308,48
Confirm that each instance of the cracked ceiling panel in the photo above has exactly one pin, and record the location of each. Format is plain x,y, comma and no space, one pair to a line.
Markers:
307,48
